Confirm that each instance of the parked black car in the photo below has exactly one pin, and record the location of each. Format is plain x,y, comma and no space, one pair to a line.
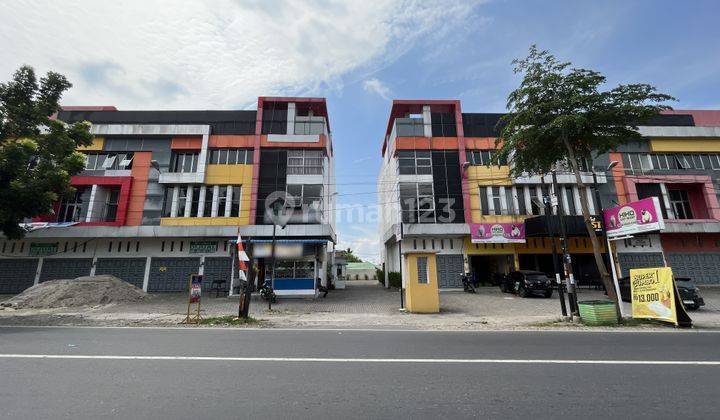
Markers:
526,283
689,293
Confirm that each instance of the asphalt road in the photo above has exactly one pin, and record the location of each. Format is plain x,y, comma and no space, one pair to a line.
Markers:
225,373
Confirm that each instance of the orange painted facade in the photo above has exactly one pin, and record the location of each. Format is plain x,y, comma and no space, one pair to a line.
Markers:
221,141
186,143
140,173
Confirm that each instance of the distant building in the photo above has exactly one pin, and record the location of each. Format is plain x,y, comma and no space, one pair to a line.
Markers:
361,271
164,193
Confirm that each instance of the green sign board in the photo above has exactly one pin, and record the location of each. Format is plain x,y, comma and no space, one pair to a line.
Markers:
203,247
43,249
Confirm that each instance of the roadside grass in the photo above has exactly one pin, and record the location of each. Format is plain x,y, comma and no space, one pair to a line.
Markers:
625,323
228,320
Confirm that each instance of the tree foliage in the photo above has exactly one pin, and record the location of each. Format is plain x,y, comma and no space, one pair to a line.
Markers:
562,114
558,110
349,256
37,153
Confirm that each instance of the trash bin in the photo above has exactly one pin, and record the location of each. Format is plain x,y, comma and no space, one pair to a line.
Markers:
598,312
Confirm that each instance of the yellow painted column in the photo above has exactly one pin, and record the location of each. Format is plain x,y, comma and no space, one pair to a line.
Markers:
421,288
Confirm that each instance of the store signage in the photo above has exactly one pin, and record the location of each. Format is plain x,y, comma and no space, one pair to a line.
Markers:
43,249
635,217
203,247
655,296
502,233
282,250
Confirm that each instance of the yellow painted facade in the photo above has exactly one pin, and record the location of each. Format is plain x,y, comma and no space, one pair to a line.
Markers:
478,176
686,145
97,144
422,298
222,175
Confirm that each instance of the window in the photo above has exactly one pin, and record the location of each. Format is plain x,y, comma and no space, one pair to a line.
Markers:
305,162
195,200
111,204
111,161
680,203
534,209
222,200
411,162
509,201
235,204
305,125
167,201
207,208
570,210
274,118
715,162
496,200
482,157
230,156
443,124
422,270
182,201
71,208
184,162
294,269
521,200
697,161
417,203
484,201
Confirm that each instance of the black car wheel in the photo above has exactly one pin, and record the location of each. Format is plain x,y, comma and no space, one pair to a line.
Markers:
548,293
523,292
693,307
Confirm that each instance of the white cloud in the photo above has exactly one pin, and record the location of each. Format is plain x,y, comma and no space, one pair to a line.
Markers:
219,54
376,86
366,245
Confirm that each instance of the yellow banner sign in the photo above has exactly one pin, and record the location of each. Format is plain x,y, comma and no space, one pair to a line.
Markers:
653,294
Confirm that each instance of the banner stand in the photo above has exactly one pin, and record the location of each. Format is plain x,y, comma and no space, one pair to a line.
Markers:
194,295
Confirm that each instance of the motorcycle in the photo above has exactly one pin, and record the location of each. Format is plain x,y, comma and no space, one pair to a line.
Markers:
267,292
467,282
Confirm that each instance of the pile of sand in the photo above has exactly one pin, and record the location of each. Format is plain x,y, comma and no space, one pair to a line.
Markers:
82,291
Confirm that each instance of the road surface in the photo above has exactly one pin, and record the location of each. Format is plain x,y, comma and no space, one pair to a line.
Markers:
183,373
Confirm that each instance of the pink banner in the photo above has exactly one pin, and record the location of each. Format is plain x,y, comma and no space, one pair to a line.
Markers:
497,232
635,217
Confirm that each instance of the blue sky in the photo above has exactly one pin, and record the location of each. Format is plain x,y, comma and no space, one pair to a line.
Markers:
155,54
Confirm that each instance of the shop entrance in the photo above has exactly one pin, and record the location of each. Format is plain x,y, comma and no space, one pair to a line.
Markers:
487,270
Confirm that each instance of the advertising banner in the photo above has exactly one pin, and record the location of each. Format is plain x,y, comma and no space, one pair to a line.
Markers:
502,233
653,294
195,288
635,217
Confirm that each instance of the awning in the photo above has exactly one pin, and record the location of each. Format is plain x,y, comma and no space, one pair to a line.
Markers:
285,241
542,226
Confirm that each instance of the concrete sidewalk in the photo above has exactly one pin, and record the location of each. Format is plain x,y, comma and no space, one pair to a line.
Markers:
363,304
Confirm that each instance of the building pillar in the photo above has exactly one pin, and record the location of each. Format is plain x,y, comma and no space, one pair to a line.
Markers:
291,118
427,121
201,201
38,271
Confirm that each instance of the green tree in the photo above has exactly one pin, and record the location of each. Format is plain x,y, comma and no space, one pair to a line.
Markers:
350,257
37,153
562,114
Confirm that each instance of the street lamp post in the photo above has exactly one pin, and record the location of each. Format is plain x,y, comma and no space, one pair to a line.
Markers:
608,245
548,204
567,260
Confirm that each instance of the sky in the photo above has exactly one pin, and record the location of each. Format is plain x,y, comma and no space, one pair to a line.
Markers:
360,55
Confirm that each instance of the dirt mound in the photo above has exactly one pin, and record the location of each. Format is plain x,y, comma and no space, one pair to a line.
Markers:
82,291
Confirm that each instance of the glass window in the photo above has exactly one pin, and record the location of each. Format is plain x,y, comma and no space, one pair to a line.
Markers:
422,270
715,161
521,200
70,208
232,156
207,209
222,199
213,156
496,200
484,201
304,269
223,157
182,201
195,201
235,204
680,203
167,201
249,157
697,162
90,161
534,209
571,210
510,202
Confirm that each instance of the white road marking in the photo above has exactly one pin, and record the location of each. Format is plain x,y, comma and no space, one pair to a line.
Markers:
363,360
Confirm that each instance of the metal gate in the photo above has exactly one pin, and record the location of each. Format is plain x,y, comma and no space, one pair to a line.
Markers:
132,270
17,274
701,268
449,270
65,268
216,268
171,274
628,261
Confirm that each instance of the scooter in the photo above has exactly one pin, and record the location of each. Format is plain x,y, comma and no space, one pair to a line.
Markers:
267,292
467,282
